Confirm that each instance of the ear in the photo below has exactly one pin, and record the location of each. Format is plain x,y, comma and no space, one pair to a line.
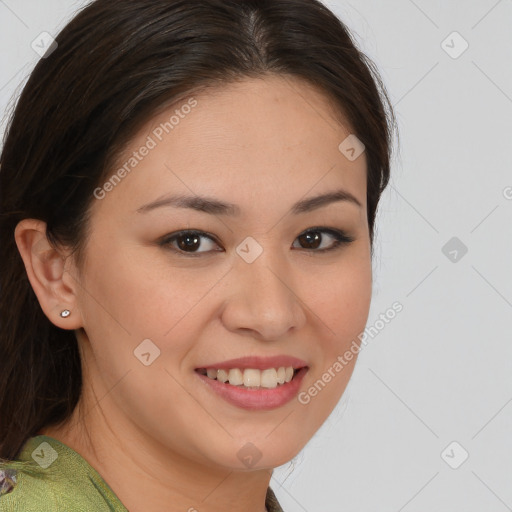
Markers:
50,273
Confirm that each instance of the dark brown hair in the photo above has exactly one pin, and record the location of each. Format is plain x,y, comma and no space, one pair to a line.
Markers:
117,63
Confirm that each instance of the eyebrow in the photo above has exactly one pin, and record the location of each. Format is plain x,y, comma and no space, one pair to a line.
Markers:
213,206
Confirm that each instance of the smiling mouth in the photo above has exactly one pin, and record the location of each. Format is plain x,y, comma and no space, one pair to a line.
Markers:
252,378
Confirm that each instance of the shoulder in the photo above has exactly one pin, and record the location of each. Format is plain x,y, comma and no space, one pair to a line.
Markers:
26,490
49,476
21,490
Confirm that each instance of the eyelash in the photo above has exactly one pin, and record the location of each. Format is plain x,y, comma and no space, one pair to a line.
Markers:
340,240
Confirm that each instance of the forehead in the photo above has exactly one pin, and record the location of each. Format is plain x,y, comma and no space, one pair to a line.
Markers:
269,137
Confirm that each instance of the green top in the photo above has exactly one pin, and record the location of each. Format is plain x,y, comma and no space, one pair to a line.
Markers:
49,476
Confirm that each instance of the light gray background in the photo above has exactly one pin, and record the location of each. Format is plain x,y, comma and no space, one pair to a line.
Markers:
441,370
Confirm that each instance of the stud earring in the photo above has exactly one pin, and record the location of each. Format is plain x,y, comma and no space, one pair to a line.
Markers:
65,313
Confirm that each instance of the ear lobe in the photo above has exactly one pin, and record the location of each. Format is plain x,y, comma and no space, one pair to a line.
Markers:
45,267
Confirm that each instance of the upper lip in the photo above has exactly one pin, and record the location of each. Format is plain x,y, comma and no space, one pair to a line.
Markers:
259,363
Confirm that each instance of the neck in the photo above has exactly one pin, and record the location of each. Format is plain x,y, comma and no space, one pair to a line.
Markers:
130,462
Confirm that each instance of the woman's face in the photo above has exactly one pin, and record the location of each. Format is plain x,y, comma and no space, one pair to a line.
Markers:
156,309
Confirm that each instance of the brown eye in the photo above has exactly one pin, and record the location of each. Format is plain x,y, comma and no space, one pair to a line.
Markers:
313,239
188,242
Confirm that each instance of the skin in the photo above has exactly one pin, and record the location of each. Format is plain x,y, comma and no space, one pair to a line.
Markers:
262,144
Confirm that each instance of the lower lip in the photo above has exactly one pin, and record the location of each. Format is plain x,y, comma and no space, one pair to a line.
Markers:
256,399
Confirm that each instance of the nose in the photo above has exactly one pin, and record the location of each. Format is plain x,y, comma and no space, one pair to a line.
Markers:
263,299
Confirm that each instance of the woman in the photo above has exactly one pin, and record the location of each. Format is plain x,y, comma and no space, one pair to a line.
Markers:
187,219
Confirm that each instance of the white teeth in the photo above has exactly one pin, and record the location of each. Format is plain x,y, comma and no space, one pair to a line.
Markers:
236,377
253,378
269,378
222,375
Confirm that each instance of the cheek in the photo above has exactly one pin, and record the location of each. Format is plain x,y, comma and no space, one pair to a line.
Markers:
348,308
344,302
342,307
127,300
132,295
